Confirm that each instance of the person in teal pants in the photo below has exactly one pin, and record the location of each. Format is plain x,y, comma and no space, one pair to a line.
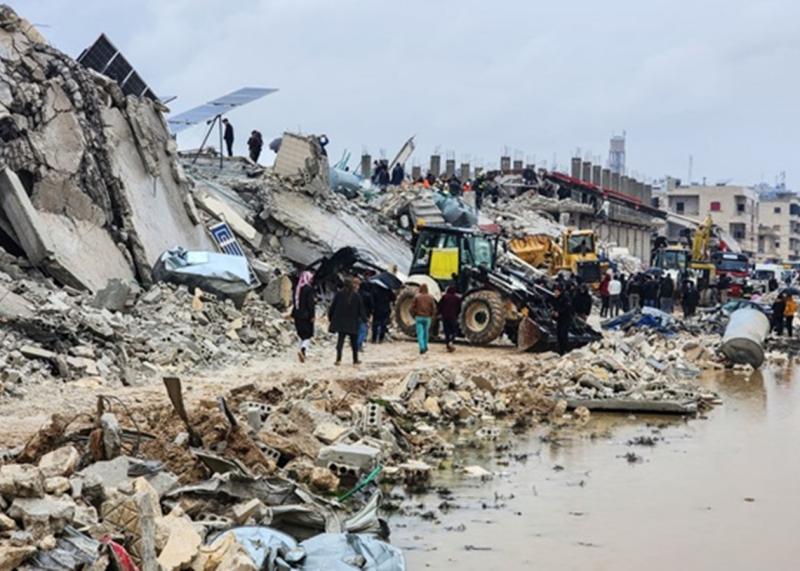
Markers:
423,308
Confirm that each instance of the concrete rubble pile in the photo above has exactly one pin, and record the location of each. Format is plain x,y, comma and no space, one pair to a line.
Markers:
255,468
128,336
89,186
296,220
532,213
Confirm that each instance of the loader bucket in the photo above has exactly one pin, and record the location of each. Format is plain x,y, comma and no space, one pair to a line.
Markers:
528,334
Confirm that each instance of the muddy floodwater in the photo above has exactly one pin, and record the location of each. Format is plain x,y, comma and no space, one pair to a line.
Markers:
715,493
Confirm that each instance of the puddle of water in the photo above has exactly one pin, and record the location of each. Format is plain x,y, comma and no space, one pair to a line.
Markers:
716,493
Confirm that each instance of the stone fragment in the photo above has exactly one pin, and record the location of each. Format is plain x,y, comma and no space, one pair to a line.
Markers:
182,544
60,462
12,557
431,406
33,352
43,516
110,473
477,472
57,485
113,297
6,523
21,480
254,508
329,432
323,480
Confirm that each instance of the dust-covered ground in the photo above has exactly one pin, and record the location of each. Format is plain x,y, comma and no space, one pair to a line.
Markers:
381,364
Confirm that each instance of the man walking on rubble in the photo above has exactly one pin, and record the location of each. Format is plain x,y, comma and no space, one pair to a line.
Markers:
366,301
423,310
303,312
382,300
562,306
690,298
345,315
449,310
255,143
227,135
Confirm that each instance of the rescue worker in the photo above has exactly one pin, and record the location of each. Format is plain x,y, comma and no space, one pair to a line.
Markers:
788,313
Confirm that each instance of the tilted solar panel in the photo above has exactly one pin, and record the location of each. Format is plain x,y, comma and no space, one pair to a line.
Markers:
216,107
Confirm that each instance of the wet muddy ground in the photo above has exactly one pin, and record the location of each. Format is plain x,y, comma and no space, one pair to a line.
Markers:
720,492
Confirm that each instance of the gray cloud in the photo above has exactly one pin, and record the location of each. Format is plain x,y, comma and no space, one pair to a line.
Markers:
714,79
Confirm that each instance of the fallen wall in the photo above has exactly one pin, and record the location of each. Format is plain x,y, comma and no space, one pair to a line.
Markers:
106,195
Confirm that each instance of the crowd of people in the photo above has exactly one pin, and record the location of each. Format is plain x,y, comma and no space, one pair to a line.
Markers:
620,293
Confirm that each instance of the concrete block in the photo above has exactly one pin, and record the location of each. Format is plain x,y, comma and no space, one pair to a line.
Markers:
361,456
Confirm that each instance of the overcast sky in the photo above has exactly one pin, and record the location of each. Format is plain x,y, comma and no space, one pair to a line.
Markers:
716,79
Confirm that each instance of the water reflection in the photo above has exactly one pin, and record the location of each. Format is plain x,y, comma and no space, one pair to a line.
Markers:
723,490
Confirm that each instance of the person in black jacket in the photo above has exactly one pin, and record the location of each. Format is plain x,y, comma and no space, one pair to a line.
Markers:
666,293
562,306
366,300
255,143
582,302
650,291
304,312
228,136
778,309
398,175
345,315
382,300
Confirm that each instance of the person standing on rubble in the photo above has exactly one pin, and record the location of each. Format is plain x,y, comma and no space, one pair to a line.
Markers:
690,299
778,310
788,313
366,301
562,310
303,312
382,300
227,135
614,295
603,289
449,310
345,315
635,291
582,302
398,175
666,294
423,310
255,143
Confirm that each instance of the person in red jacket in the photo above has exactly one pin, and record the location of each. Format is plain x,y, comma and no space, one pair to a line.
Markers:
449,310
604,295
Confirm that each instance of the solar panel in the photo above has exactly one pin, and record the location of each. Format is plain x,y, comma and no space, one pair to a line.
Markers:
216,107
105,58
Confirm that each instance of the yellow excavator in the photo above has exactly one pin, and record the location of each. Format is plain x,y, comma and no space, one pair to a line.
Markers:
681,262
575,251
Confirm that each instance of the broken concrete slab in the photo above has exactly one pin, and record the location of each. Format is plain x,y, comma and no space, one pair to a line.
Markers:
225,213
111,473
33,352
13,556
43,516
21,480
13,305
182,544
75,252
301,157
114,296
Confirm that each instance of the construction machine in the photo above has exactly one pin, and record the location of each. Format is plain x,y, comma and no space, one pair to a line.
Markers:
501,293
695,264
574,252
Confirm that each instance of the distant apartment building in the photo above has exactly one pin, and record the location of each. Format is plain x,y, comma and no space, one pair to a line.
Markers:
732,208
779,217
